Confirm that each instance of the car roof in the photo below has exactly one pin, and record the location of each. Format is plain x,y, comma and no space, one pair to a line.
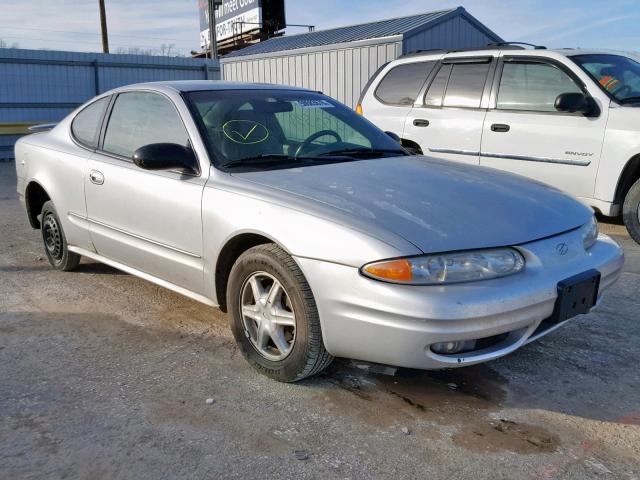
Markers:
200,85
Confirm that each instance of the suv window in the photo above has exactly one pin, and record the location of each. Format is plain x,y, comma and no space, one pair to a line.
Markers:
438,85
403,83
617,75
142,118
461,84
533,86
86,126
466,85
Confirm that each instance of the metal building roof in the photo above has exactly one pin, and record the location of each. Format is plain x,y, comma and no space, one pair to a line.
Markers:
366,31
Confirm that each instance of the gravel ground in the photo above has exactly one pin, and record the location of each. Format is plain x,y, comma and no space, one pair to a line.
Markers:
103,375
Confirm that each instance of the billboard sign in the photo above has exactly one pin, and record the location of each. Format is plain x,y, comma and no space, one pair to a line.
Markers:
233,17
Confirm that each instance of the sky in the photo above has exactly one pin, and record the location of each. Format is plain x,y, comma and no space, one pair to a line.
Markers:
148,24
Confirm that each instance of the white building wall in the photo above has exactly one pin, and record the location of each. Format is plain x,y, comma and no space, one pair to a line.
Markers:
340,72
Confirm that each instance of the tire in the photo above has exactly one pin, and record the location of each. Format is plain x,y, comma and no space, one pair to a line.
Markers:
631,211
280,336
55,242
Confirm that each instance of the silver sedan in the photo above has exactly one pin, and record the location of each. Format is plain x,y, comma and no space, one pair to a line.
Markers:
316,231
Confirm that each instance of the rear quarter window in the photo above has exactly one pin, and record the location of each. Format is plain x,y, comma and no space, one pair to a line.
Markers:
403,83
85,127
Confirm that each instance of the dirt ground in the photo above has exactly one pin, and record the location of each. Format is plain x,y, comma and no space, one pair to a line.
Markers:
105,376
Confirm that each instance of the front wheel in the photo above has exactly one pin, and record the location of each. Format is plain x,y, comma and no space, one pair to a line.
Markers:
274,317
631,211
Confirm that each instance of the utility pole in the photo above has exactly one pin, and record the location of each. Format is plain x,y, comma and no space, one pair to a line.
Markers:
213,38
103,26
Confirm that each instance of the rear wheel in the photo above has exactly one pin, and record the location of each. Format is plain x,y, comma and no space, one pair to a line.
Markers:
55,242
631,211
274,317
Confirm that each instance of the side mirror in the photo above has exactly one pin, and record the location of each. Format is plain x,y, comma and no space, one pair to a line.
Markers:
165,156
575,103
394,137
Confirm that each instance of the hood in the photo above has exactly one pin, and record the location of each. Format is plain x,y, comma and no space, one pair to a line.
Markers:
437,205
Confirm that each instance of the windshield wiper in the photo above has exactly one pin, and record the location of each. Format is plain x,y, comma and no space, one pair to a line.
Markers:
634,99
259,159
362,152
271,158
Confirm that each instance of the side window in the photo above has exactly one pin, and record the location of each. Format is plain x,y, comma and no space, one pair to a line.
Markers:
403,83
86,126
458,85
533,86
436,90
142,118
466,85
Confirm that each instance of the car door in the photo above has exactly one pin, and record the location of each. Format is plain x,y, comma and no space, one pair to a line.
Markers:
394,96
447,122
524,133
148,220
70,167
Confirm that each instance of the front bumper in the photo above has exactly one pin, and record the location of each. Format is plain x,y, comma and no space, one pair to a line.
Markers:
396,325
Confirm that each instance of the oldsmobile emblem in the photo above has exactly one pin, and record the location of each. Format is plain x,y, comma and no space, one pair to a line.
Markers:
562,248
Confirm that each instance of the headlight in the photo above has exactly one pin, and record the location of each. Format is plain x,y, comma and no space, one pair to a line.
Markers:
590,233
447,267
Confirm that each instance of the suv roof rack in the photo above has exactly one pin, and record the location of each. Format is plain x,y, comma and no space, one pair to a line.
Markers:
490,46
521,44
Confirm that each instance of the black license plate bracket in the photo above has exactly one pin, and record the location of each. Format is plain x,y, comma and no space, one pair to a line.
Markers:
576,295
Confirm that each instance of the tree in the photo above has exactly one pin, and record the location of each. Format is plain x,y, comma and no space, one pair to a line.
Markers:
165,50
4,44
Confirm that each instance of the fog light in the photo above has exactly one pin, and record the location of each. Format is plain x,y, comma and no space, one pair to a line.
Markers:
447,348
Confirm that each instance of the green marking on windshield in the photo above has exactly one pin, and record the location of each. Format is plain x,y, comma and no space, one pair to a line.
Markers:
245,132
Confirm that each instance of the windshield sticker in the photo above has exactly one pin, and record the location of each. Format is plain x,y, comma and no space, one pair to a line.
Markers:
245,132
609,82
314,104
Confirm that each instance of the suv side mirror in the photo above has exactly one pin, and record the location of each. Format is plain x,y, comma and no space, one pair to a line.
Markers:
165,156
575,103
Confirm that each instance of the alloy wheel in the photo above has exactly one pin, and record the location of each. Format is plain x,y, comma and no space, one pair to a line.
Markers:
267,316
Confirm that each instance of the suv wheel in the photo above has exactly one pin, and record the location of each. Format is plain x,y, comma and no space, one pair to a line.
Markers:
274,317
55,243
631,211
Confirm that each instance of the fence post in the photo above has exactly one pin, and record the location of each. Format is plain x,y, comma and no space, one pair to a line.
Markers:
206,70
96,76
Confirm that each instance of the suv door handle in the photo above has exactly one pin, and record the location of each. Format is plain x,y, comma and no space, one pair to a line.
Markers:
418,122
500,127
96,177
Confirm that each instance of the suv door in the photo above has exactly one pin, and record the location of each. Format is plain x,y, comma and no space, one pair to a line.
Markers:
525,134
447,121
394,96
148,220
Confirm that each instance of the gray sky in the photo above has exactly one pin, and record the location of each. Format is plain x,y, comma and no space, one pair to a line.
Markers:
147,24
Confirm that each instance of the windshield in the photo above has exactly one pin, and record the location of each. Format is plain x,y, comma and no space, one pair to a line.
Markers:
617,75
264,129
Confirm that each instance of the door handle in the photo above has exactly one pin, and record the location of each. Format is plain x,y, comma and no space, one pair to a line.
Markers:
500,127
96,177
418,122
